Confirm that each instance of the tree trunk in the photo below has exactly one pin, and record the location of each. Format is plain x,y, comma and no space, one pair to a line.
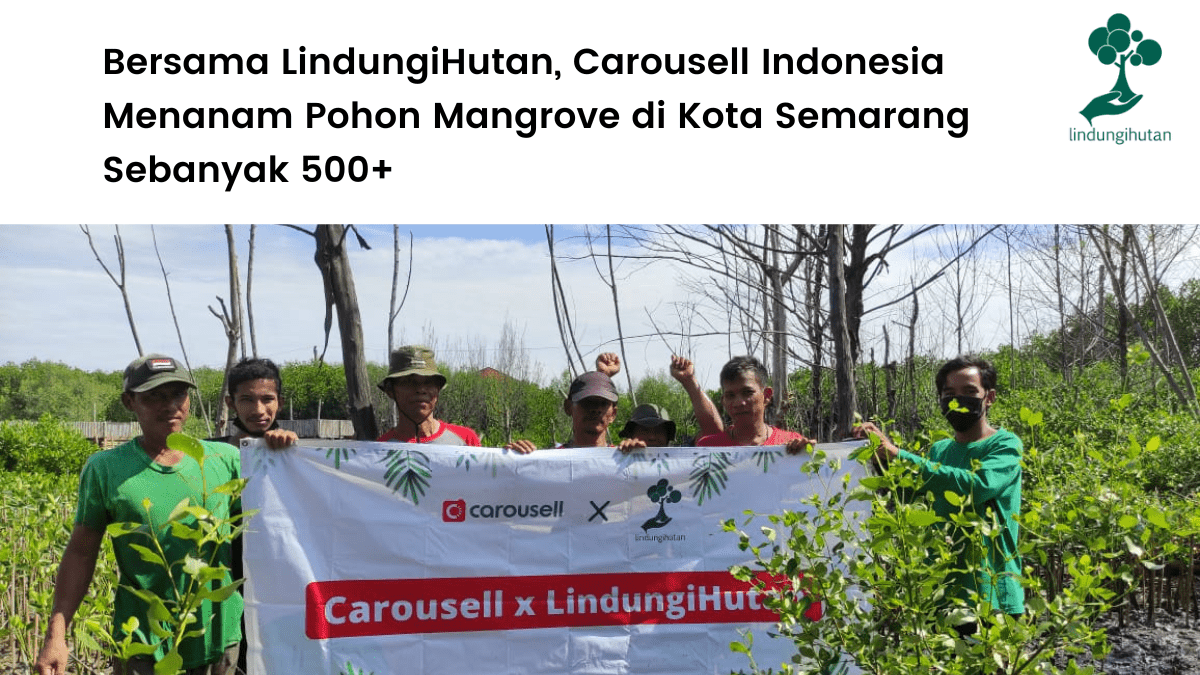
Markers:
178,332
334,263
843,350
249,305
119,284
235,292
612,278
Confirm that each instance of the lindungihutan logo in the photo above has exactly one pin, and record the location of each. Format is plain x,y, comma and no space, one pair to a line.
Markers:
661,493
1115,44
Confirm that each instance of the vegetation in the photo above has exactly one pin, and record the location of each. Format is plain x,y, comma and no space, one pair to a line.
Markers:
1103,402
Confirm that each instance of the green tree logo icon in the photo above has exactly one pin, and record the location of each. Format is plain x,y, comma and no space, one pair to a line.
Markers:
1114,45
661,493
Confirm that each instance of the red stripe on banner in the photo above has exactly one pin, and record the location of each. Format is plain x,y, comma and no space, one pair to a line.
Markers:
335,609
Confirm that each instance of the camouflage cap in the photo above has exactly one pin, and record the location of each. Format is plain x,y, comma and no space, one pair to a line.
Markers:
411,360
153,370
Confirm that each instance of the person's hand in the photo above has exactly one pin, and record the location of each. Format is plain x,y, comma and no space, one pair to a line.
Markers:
799,446
682,369
628,445
609,364
521,447
886,451
278,439
1107,104
53,658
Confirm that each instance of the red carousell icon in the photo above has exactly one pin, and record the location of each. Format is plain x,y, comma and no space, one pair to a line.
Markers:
454,511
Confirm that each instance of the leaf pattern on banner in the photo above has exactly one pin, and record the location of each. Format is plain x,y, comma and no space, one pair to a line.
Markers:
340,455
407,472
709,475
351,670
489,461
260,459
765,458
630,461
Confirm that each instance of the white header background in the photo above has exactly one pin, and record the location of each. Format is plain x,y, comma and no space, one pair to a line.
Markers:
1022,68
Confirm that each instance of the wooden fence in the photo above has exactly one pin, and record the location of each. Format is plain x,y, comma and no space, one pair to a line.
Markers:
111,434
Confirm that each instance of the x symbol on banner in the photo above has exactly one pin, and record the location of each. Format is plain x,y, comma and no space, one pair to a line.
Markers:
599,511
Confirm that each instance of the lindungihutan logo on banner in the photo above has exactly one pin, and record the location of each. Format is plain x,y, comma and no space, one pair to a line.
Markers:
1118,45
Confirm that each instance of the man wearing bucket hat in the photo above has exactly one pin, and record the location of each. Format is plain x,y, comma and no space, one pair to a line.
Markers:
414,384
648,427
142,481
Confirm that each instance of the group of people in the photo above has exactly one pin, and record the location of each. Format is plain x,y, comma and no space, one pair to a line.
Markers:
143,480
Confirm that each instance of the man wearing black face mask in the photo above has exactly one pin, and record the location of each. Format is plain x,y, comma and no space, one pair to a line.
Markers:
966,389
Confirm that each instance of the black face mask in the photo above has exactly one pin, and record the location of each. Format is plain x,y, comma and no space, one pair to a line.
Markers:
968,413
254,434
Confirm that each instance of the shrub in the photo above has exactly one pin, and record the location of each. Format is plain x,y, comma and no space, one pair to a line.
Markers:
47,445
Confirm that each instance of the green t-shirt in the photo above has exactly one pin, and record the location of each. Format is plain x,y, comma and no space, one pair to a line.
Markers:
996,486
112,487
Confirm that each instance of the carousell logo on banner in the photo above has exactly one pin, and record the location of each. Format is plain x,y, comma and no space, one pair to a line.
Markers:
456,510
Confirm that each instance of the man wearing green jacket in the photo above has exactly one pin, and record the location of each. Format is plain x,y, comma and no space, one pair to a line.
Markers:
966,390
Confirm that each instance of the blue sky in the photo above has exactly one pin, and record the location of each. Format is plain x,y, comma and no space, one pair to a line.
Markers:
57,304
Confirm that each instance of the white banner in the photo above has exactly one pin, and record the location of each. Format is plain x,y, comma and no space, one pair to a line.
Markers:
378,558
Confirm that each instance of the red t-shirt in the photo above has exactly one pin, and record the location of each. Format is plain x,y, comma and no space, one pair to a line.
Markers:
778,437
447,434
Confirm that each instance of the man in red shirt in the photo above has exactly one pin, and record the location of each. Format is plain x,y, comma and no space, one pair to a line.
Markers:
745,396
414,383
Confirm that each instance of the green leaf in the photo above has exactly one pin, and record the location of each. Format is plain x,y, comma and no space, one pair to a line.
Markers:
1127,521
148,555
922,518
179,510
187,445
119,529
192,565
233,487
1134,549
172,663
222,594
1155,516
1153,443
954,498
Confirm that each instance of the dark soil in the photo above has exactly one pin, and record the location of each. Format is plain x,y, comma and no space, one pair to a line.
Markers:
1168,646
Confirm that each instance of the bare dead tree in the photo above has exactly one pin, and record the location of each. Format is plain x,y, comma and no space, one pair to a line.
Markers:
1186,399
249,304
562,314
119,284
846,398
1012,310
962,283
393,308
611,281
334,262
229,323
178,332
1152,283
235,291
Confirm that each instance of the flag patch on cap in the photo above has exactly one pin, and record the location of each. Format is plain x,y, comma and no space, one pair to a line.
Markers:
162,364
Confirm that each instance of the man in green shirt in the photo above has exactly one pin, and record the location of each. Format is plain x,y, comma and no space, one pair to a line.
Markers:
966,390
112,488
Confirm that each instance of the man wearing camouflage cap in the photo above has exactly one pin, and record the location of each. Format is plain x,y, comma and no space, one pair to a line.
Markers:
648,427
142,481
414,383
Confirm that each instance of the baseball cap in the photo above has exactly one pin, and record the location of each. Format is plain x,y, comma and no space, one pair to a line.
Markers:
592,383
152,370
411,360
648,415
